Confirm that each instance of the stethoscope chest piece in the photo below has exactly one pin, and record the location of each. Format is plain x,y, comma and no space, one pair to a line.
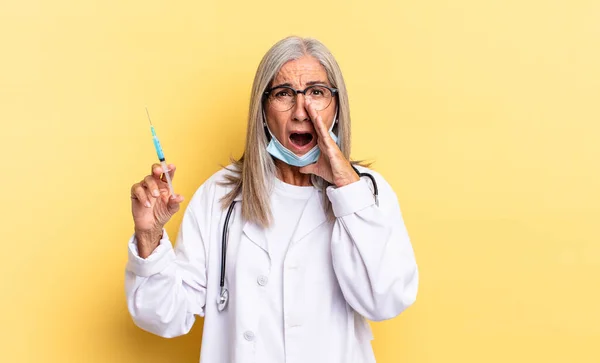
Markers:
223,299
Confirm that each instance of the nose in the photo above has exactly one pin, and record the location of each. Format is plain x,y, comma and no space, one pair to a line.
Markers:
299,112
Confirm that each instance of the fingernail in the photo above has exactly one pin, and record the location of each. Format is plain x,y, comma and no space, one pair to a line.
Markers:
148,204
155,193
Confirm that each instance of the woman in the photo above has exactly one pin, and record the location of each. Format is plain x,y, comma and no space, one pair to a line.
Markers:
311,251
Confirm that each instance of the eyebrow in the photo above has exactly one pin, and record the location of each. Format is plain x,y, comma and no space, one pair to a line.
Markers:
311,83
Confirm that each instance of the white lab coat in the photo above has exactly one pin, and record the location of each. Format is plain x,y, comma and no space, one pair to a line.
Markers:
336,275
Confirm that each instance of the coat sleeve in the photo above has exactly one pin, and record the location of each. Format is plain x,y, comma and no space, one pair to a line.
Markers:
167,289
373,258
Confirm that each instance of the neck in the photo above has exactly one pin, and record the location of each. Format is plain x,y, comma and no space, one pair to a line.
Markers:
291,174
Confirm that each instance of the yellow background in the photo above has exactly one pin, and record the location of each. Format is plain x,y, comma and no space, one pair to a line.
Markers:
483,115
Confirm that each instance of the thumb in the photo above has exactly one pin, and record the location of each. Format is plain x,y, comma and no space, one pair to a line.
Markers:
309,169
174,203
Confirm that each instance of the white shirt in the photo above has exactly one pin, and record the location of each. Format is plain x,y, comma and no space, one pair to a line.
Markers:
336,274
289,201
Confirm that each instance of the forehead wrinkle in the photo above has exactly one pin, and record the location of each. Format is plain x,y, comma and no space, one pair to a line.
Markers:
299,73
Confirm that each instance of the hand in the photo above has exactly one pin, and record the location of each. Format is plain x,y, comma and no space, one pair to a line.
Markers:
331,165
152,206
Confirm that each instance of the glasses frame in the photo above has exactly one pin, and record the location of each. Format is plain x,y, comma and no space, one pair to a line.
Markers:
334,92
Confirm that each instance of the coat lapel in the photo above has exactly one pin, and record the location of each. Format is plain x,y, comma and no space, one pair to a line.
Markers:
253,231
312,217
256,234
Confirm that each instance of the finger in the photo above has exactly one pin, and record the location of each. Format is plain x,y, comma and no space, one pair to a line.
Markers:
171,172
317,120
138,192
152,186
312,113
157,171
323,132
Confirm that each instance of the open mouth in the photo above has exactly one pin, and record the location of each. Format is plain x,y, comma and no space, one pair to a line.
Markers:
301,139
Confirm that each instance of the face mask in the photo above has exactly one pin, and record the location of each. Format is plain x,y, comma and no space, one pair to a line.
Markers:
277,150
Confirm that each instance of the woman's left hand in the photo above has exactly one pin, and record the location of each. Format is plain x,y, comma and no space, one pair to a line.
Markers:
331,165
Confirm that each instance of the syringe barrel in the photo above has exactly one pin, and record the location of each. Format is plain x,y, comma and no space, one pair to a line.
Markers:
165,169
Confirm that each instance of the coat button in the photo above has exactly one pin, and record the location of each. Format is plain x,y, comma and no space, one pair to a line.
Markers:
262,280
249,336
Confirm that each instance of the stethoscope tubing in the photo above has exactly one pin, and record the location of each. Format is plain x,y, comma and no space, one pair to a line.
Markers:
224,295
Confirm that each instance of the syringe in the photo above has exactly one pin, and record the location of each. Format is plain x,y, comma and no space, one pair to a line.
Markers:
161,156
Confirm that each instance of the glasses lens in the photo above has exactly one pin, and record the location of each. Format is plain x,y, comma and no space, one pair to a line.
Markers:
319,96
282,98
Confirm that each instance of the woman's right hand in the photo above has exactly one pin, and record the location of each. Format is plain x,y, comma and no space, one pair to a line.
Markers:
152,205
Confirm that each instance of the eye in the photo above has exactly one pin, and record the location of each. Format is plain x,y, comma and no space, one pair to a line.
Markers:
282,93
318,91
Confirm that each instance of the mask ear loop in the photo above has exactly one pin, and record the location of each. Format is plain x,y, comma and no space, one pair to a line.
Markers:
336,123
265,127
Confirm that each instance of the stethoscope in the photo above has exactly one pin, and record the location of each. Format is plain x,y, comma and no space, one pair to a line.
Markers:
224,294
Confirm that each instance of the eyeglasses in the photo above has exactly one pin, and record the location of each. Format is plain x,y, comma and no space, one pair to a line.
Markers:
283,98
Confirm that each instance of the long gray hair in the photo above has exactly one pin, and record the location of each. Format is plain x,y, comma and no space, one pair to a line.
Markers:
254,171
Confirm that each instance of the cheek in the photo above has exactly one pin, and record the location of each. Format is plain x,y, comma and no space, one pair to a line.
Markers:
331,113
329,118
276,122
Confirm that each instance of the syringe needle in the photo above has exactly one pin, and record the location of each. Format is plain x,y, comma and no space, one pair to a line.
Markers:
148,113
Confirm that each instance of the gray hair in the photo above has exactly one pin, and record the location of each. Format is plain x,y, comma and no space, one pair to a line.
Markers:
255,169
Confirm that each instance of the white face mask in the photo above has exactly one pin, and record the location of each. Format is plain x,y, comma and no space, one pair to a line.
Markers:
277,150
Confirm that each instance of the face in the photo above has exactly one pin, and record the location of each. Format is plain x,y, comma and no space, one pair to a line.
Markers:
294,128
